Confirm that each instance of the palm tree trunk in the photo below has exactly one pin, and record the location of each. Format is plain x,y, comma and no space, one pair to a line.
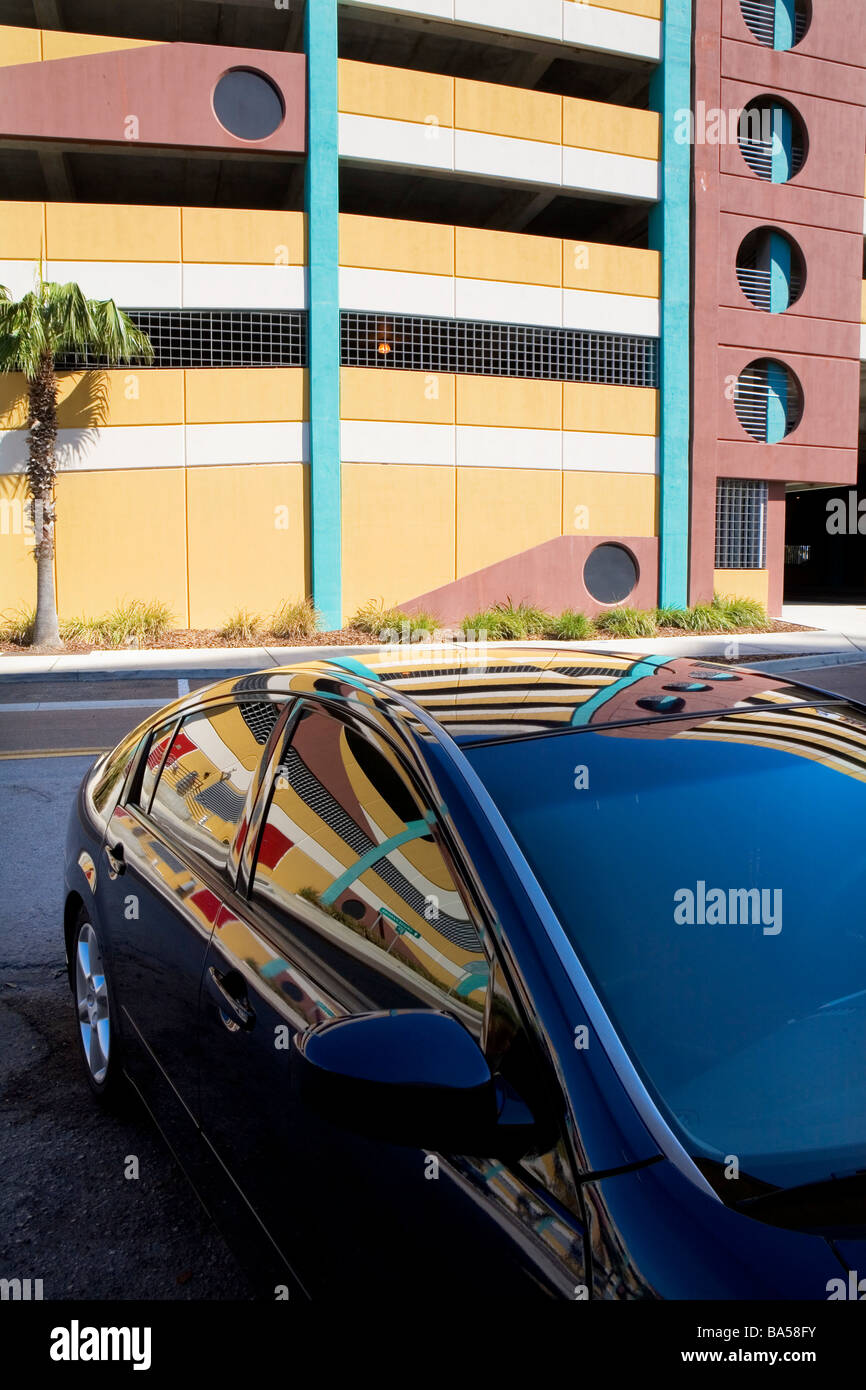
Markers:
41,471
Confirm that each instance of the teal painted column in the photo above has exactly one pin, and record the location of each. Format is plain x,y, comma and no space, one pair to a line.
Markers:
784,25
783,144
322,207
780,273
777,402
669,233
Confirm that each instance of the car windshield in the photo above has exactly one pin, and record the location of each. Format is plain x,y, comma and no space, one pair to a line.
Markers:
711,877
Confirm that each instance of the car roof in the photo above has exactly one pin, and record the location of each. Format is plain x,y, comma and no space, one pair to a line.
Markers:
503,691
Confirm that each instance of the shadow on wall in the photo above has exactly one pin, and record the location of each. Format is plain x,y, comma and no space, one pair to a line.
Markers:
82,411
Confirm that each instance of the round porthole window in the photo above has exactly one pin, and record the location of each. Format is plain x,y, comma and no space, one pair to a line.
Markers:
772,139
779,24
610,573
770,270
768,399
247,104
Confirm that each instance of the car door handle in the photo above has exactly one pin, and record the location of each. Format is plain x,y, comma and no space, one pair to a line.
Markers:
230,995
116,860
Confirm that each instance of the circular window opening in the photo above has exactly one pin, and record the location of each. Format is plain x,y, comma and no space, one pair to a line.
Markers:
772,139
768,400
353,907
717,675
663,704
610,573
779,24
247,104
771,270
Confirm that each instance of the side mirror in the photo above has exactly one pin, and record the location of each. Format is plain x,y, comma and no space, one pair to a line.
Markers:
413,1077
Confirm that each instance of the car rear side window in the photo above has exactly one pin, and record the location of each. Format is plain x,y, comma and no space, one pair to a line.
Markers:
348,841
204,779
108,782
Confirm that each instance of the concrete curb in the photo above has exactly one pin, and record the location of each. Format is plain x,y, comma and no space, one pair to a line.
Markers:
213,663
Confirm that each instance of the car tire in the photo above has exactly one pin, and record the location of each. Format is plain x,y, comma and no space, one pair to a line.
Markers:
97,1041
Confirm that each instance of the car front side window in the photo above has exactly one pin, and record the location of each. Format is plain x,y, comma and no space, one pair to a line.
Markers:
204,778
348,842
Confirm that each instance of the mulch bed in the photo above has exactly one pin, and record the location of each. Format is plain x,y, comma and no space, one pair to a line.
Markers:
182,638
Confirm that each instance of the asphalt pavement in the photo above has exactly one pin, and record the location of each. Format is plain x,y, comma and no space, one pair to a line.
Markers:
68,1214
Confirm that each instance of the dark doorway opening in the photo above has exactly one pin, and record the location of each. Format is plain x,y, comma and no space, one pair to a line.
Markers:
825,543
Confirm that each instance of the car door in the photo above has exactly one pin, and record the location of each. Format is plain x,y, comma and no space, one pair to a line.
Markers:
167,859
355,903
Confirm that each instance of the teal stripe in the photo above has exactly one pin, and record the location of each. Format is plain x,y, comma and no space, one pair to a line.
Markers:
780,273
357,668
784,29
777,402
322,206
413,831
669,233
583,714
783,142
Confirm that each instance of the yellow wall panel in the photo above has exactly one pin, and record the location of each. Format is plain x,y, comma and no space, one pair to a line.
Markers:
649,9
599,125
371,393
398,532
235,236
609,504
61,45
368,89
122,397
223,395
112,232
515,402
121,534
86,400
515,111
17,568
502,511
13,401
385,243
743,584
610,409
590,265
247,539
21,231
19,45
511,256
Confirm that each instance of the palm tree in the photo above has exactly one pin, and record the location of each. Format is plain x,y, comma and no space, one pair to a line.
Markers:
49,322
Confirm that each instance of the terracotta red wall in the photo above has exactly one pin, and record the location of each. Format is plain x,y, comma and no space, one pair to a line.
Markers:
821,209
167,87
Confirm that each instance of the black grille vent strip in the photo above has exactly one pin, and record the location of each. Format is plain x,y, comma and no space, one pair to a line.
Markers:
221,800
414,343
215,338
459,931
260,717
473,672
189,338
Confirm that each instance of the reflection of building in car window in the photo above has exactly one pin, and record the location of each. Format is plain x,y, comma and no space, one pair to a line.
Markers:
205,778
345,834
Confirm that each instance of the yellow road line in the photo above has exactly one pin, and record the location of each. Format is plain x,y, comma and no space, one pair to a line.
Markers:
52,753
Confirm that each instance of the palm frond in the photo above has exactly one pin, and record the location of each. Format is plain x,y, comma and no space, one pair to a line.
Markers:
69,317
55,320
24,338
114,335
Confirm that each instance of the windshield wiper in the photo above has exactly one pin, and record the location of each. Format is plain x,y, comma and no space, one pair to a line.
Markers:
838,1201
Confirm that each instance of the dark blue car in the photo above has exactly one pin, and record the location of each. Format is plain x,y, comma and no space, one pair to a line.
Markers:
476,974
